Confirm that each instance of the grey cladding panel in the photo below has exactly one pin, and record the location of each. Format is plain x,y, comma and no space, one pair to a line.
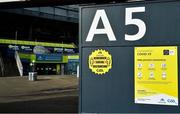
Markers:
114,91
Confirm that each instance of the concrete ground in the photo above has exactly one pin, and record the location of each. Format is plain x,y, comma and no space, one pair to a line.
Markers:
47,94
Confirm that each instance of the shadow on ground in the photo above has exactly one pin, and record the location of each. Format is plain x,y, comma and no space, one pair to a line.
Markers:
67,104
43,79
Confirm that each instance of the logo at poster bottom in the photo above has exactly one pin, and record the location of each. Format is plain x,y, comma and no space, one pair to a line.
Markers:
100,61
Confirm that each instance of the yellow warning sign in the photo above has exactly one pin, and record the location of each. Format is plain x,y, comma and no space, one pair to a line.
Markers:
100,61
156,75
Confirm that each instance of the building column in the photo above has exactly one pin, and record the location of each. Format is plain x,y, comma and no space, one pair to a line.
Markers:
58,69
62,69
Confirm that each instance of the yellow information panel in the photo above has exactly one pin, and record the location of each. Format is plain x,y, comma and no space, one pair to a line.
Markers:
156,75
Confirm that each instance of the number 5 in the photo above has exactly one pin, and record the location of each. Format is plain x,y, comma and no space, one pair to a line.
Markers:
138,22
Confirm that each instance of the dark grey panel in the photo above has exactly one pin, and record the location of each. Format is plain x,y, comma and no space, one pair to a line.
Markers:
162,22
114,91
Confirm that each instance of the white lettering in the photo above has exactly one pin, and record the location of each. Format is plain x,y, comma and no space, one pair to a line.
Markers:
106,30
138,22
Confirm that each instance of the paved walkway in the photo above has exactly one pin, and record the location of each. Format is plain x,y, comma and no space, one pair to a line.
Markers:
47,94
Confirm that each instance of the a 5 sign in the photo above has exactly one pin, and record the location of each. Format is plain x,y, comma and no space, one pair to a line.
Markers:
129,20
130,24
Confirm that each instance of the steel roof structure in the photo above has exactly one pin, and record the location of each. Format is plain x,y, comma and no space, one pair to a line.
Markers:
40,3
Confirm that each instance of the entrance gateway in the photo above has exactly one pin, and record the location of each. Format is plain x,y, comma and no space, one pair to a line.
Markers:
129,57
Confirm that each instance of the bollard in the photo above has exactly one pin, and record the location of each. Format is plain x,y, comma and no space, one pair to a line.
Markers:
32,76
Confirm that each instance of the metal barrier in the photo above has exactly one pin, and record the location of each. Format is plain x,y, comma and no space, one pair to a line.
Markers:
19,64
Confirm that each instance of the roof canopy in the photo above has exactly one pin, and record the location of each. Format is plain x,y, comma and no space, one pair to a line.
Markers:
36,3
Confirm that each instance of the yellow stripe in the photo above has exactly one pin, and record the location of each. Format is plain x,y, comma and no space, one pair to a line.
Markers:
21,42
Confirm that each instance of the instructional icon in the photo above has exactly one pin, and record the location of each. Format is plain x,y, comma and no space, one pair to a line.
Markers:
151,65
163,65
164,75
151,75
139,65
139,74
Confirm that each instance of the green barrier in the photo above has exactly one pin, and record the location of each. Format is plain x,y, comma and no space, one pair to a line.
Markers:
73,57
27,56
32,43
32,57
65,59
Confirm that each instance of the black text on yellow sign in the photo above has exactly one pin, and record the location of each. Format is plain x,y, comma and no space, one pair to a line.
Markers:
100,61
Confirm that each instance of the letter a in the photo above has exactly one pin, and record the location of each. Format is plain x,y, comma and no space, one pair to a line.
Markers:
106,30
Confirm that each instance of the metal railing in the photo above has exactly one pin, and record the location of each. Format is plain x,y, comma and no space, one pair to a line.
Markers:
19,64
